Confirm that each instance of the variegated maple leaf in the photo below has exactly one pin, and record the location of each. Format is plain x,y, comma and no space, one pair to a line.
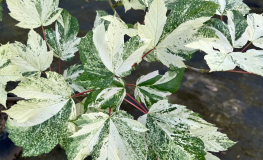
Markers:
34,13
153,87
8,72
63,41
104,137
170,34
220,53
175,131
33,58
42,119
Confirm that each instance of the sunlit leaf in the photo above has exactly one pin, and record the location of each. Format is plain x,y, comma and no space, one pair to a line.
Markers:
8,72
33,58
104,137
170,35
34,13
175,131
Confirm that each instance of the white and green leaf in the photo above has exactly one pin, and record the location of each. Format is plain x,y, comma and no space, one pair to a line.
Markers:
33,58
46,98
34,13
104,137
133,4
229,35
8,72
63,41
71,74
254,30
231,5
108,56
175,131
153,87
106,98
170,34
41,138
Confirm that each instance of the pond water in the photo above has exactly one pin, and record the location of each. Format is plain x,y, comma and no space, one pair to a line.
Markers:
231,101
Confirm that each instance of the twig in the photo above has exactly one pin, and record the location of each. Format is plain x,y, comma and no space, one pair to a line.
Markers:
135,106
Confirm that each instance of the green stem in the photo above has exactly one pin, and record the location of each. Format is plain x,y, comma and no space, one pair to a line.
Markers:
117,5
198,70
113,9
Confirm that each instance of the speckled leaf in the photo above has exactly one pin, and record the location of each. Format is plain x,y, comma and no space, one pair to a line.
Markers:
135,4
219,50
31,58
63,41
47,96
8,72
106,98
41,138
254,30
96,74
117,56
153,87
231,5
71,74
120,24
34,13
104,137
178,133
169,36
251,61
99,20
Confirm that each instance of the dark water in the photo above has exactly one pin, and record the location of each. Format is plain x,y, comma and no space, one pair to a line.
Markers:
231,101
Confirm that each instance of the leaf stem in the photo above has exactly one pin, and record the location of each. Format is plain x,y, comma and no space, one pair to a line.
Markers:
241,72
137,102
135,106
198,70
81,93
208,71
117,5
143,56
246,47
59,66
127,84
113,9
44,35
109,112
221,17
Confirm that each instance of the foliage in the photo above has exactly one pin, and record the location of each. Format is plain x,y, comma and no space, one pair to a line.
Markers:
172,32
